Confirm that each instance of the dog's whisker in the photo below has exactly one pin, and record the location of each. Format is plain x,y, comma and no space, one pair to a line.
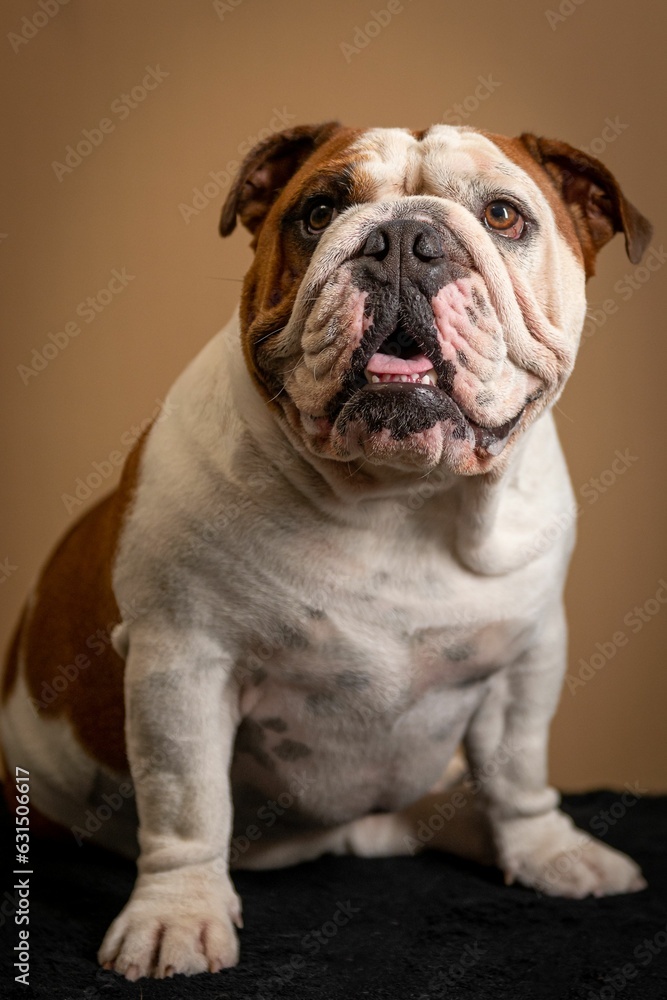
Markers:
271,333
558,407
280,391
358,468
286,372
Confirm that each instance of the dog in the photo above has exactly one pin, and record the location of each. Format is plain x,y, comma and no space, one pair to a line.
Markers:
339,555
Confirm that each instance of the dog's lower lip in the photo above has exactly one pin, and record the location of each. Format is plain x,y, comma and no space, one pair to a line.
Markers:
491,440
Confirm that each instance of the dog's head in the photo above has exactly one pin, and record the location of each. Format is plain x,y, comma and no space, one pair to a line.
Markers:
416,298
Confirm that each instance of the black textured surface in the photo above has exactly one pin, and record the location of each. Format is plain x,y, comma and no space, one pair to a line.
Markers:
414,923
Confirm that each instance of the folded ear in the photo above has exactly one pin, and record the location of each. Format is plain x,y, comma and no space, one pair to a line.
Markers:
593,196
265,171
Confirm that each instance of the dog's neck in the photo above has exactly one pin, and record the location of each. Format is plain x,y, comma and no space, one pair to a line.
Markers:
495,528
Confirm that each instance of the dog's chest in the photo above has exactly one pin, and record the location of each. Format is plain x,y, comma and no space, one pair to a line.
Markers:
366,689
374,653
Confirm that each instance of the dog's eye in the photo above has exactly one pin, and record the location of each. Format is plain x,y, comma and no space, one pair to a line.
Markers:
504,219
319,214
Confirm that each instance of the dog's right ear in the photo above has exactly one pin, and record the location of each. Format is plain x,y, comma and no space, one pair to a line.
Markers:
593,197
265,171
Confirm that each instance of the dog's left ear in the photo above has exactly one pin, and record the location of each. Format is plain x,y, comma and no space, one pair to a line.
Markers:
265,171
591,192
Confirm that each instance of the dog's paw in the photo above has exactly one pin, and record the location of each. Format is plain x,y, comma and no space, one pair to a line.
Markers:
551,855
175,922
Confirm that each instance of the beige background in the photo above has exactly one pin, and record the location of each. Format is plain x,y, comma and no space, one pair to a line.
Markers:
230,70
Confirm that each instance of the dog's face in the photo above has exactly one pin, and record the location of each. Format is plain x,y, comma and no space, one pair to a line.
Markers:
416,299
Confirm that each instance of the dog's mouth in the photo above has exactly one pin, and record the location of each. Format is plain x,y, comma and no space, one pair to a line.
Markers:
400,358
404,386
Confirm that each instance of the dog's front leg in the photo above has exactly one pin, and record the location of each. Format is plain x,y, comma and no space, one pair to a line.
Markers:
181,718
537,844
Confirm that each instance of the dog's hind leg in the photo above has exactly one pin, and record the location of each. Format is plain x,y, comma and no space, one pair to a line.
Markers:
446,820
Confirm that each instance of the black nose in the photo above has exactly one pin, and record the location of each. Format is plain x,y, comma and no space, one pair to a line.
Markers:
404,247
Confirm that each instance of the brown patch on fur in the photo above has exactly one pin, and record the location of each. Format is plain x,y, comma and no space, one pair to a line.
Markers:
265,171
282,258
515,150
592,205
74,612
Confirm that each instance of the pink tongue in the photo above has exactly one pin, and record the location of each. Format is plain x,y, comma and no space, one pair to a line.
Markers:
383,364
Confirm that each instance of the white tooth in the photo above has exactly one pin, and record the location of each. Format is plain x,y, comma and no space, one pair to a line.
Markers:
404,378
430,377
375,378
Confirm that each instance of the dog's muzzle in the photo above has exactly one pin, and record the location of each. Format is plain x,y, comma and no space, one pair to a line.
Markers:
398,379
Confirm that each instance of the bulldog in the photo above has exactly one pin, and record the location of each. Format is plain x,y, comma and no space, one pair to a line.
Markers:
339,556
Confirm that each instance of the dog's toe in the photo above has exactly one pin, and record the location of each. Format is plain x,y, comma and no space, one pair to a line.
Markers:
170,927
551,855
